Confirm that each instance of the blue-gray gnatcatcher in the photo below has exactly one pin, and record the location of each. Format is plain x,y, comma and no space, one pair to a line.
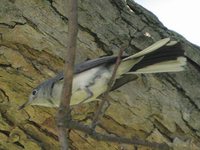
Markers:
91,77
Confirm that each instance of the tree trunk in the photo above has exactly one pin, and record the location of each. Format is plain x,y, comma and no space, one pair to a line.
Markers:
33,33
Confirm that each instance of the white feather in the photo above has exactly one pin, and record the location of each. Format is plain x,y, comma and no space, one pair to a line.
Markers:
171,43
166,66
149,49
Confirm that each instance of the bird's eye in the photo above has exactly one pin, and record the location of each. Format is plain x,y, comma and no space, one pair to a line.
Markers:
34,92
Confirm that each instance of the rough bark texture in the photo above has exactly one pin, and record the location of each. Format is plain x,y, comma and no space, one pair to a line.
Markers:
33,33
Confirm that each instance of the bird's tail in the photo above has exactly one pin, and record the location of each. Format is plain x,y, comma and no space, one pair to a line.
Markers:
163,56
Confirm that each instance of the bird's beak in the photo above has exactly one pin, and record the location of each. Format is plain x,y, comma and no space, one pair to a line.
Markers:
23,106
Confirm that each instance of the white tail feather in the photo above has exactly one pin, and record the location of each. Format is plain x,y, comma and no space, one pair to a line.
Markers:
149,49
171,43
166,66
143,71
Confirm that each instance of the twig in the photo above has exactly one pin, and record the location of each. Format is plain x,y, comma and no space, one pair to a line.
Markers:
111,138
104,96
64,108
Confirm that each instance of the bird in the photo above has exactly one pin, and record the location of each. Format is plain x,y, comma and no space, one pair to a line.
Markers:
91,77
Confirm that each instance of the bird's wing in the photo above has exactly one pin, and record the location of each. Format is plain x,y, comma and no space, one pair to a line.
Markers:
89,64
94,63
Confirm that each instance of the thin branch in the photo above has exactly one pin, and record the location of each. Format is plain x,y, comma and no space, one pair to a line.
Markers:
104,96
64,108
112,79
111,138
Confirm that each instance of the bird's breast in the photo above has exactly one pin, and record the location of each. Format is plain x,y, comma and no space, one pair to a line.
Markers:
96,81
89,77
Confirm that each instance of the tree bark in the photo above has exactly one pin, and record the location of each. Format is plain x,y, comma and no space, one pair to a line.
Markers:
156,107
